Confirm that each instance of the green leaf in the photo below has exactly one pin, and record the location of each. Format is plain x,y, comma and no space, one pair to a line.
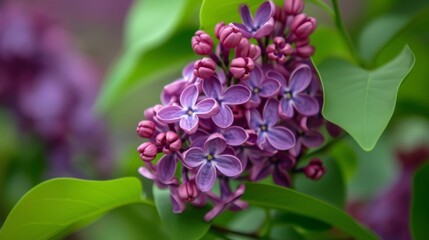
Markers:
330,188
362,101
215,11
291,201
157,41
58,206
187,225
420,207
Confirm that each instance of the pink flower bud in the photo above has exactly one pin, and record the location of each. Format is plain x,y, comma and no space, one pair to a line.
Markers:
241,67
202,43
204,68
293,7
172,142
279,50
147,151
305,51
188,191
219,28
246,49
145,128
302,26
160,139
315,169
230,36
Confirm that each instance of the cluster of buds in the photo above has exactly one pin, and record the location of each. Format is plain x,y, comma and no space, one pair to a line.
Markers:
243,112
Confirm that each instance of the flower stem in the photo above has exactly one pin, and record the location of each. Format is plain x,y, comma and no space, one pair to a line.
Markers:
223,230
340,25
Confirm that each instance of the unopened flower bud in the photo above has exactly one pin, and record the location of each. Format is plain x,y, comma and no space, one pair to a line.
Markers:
241,67
172,142
160,139
204,68
302,26
246,49
188,191
145,128
279,50
230,36
315,169
293,7
305,51
219,28
147,151
202,43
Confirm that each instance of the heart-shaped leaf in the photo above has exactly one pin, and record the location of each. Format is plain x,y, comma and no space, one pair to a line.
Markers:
292,201
58,206
362,101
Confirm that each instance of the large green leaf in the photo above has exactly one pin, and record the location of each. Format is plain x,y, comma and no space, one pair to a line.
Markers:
187,225
346,159
58,206
420,207
362,101
295,202
157,40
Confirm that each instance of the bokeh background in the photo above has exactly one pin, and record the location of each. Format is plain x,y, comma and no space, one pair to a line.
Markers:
55,57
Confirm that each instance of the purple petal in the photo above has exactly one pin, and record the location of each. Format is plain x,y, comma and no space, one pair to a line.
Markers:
286,108
166,167
260,171
235,136
212,88
253,118
228,165
256,77
206,108
189,96
178,204
194,157
224,118
146,173
243,29
216,210
271,112
265,29
173,90
188,71
269,88
235,95
305,104
281,138
206,177
312,139
278,77
297,148
170,114
189,124
246,15
215,144
281,177
300,79
264,13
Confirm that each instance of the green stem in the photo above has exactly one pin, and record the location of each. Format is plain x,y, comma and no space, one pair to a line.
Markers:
340,25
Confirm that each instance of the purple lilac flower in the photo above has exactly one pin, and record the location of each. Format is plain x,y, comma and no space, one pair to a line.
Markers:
270,136
222,121
293,95
233,95
260,86
209,159
261,25
190,111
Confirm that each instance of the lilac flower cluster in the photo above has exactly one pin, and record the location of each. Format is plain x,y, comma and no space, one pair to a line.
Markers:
243,112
